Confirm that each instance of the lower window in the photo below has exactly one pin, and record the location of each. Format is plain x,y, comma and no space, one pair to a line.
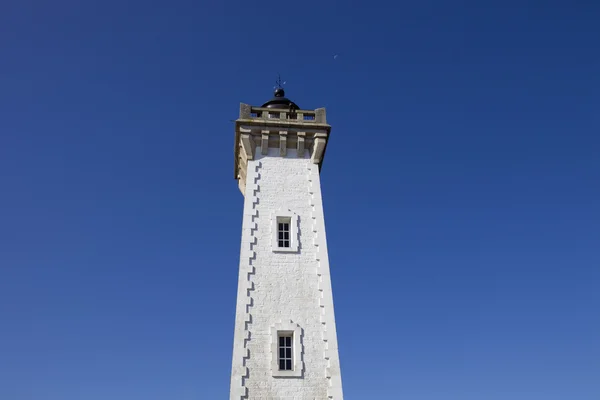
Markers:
285,346
287,351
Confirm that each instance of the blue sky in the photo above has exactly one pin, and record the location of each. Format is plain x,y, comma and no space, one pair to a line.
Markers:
464,241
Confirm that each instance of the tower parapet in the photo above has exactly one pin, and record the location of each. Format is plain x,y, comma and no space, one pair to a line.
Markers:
279,124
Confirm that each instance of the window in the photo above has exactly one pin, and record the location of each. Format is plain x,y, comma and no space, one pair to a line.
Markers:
283,232
285,352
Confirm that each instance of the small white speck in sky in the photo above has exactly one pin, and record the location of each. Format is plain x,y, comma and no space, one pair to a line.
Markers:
335,56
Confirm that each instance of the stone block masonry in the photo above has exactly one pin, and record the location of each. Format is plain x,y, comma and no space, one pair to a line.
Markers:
284,287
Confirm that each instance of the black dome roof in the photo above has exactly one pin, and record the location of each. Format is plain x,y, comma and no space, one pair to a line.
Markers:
280,101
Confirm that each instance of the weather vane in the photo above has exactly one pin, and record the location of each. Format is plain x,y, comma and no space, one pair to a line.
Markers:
278,83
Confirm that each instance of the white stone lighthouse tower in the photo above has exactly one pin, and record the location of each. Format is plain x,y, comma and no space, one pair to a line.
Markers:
285,342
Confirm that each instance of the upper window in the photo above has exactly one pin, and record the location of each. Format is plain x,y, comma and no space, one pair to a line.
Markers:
283,232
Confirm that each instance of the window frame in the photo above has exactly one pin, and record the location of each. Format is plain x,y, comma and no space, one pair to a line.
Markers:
285,216
288,344
283,227
287,329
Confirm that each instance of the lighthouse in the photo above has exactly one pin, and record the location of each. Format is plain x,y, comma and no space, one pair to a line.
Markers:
285,340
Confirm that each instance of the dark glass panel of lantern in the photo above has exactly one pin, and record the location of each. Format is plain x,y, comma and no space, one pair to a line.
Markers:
288,341
282,364
288,353
288,365
281,340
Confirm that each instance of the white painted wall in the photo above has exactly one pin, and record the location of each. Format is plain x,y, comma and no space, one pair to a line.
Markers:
283,287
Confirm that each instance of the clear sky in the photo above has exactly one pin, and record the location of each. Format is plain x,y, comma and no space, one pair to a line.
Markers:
461,189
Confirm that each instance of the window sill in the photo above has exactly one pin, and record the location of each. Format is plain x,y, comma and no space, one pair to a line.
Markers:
285,250
287,374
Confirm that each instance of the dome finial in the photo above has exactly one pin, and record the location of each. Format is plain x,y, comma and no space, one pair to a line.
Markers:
279,92
279,100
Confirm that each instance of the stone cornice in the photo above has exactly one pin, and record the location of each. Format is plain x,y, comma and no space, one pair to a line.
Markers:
297,130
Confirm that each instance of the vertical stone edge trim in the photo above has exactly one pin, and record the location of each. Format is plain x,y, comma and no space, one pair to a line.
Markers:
247,270
283,143
248,146
264,142
245,110
320,116
327,317
300,144
318,147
